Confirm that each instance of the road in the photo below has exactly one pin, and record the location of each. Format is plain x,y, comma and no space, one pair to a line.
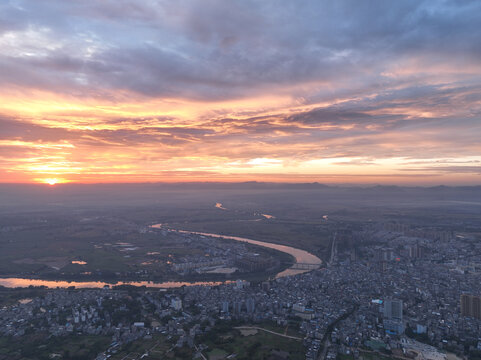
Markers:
325,339
325,346
269,331
333,250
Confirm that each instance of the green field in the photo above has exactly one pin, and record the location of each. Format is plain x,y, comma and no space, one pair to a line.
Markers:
260,345
39,346
223,341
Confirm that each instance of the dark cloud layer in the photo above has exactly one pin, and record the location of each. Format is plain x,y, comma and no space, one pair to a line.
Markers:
216,49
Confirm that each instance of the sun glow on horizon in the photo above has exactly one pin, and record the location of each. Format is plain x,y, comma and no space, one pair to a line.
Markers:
52,181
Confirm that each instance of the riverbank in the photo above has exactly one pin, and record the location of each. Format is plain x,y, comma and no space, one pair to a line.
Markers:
300,257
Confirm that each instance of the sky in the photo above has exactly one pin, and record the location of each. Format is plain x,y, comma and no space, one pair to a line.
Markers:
356,92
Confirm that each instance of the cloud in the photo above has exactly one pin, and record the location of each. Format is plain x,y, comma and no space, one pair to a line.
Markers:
214,85
217,50
458,169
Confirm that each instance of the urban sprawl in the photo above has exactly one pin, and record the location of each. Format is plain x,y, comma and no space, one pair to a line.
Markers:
399,292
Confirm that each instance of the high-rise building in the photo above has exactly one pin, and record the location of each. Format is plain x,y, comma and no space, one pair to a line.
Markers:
225,307
384,254
237,307
476,307
250,305
393,309
416,251
465,305
470,306
393,316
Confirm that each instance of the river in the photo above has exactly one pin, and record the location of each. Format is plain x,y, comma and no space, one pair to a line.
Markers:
301,256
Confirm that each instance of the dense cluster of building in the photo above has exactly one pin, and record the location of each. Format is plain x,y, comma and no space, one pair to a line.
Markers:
392,289
213,255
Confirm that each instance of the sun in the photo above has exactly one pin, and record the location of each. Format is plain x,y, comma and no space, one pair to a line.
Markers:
51,182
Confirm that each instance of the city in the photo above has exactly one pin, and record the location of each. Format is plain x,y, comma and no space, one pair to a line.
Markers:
398,293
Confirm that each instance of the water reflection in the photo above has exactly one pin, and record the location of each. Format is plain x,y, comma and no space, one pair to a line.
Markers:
79,262
18,282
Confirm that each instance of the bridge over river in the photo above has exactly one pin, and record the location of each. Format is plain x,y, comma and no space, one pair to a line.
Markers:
304,266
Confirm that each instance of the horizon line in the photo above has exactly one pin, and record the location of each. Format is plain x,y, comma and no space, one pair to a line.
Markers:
365,185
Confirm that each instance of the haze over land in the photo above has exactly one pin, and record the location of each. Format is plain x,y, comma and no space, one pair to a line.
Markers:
336,92
229,196
300,215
